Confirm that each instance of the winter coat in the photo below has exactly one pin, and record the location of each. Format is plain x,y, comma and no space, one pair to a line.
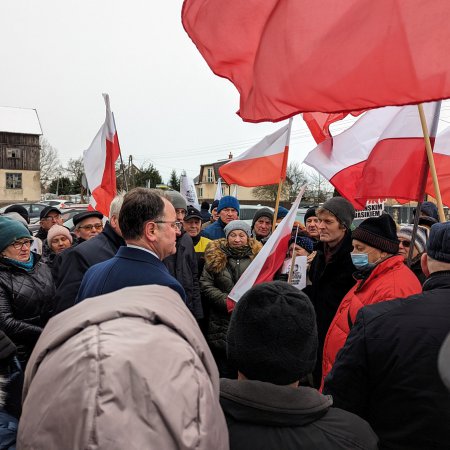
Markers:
389,279
26,303
329,285
265,416
220,274
214,231
387,370
75,261
183,266
129,267
416,267
127,370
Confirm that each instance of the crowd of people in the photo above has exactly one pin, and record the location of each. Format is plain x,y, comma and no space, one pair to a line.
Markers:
117,334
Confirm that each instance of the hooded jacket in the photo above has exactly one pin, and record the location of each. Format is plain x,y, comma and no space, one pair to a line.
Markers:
126,370
389,279
26,303
266,416
220,273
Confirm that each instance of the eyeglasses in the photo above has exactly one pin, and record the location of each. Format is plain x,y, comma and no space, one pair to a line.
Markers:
52,218
172,224
405,244
90,227
18,245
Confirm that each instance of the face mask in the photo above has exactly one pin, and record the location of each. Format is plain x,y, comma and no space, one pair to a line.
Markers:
360,260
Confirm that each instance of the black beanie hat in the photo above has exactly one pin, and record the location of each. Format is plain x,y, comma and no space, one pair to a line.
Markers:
272,335
214,204
378,232
205,205
19,209
263,212
311,212
438,246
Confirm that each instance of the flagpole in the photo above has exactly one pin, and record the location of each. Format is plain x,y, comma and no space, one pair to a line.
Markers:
426,137
120,154
294,255
286,150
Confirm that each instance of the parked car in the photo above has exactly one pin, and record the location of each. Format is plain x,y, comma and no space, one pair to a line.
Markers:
59,203
34,209
247,212
67,217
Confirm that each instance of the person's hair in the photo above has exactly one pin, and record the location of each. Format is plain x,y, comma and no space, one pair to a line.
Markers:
116,204
139,206
321,210
436,266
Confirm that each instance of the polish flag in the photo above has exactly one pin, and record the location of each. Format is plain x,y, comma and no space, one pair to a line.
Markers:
99,164
265,163
441,156
382,155
269,259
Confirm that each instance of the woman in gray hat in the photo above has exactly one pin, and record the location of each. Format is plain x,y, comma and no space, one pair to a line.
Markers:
225,262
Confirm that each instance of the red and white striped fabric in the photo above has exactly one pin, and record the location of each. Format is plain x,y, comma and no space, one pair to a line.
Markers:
381,156
99,164
269,259
265,163
441,156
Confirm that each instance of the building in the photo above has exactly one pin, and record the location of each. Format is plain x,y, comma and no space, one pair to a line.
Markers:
20,130
206,184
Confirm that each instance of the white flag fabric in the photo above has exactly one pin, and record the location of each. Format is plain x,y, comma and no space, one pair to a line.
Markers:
235,192
188,191
218,195
271,257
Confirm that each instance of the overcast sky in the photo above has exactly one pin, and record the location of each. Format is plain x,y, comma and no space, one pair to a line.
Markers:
170,109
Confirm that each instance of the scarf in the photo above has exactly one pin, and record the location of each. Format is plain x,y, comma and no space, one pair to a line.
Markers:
237,253
27,265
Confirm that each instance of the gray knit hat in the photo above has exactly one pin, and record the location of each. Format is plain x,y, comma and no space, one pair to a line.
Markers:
177,200
342,209
238,225
420,242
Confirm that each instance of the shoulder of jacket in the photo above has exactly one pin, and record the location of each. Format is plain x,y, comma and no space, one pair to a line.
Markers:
215,258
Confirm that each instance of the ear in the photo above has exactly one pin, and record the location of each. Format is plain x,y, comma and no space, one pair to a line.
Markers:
150,229
424,264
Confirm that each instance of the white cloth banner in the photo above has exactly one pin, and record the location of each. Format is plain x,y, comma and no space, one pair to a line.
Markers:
188,191
218,195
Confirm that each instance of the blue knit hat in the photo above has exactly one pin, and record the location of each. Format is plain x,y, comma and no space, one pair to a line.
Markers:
228,202
303,241
11,230
282,212
438,246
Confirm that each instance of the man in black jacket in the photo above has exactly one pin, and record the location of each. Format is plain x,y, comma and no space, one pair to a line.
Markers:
74,262
331,269
183,264
387,371
272,341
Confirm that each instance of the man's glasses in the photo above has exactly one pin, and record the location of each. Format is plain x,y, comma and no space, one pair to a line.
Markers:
52,218
18,245
175,225
90,227
405,244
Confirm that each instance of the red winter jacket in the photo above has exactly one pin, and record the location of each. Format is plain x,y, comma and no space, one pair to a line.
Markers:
388,280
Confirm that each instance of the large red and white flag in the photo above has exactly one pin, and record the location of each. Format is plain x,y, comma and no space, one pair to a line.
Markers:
382,155
264,163
291,56
269,260
99,164
441,156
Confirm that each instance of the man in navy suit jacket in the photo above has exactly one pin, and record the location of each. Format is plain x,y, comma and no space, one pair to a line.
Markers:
148,224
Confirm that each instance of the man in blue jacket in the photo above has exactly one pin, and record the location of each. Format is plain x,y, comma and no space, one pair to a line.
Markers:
228,211
148,224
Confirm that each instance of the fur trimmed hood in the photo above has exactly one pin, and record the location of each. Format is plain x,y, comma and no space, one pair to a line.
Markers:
216,259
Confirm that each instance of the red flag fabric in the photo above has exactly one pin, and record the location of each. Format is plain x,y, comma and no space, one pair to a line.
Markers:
319,124
381,156
292,56
264,163
269,260
99,164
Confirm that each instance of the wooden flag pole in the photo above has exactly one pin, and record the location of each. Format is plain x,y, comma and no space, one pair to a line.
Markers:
426,137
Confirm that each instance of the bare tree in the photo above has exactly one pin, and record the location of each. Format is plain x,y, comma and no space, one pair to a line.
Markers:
297,177
50,166
319,189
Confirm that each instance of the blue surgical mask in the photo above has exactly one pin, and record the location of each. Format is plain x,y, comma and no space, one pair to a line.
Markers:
360,260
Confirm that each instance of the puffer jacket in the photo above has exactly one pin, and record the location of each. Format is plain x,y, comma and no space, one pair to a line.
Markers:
389,279
220,274
126,370
214,231
26,303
